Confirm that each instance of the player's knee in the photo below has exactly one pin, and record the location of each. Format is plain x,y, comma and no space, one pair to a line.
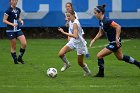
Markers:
99,56
24,45
60,55
13,48
119,58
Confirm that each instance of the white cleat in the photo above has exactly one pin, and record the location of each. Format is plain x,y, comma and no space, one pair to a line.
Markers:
66,66
87,74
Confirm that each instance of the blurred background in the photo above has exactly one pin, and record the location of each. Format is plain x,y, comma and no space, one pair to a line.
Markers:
43,17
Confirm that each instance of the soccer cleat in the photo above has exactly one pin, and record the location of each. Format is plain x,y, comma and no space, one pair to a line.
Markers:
99,75
66,66
137,64
20,60
15,62
87,74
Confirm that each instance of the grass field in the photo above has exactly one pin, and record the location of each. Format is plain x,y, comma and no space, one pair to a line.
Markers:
41,54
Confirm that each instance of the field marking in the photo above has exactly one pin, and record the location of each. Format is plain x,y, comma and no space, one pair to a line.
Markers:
123,41
81,86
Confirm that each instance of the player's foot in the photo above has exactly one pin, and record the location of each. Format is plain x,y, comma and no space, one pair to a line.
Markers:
137,64
66,66
99,75
15,62
21,60
87,74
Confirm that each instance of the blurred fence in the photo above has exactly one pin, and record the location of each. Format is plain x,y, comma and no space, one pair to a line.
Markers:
52,32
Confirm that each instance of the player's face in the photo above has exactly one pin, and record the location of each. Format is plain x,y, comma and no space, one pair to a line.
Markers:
97,15
70,16
13,2
68,7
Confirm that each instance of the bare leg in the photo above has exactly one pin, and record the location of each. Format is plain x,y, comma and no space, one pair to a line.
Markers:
83,65
61,54
13,50
104,52
126,58
23,42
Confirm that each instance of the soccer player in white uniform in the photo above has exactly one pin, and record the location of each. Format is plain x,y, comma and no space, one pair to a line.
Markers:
69,7
75,43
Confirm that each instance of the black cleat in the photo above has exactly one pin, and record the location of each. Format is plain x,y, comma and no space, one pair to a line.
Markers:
20,60
99,75
137,64
15,61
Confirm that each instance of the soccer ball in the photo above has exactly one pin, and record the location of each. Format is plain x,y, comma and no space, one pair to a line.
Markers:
52,72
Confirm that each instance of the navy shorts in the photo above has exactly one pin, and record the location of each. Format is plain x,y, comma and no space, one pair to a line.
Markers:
113,47
12,35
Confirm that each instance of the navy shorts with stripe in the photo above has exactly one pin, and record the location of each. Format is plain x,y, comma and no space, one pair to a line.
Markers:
113,47
12,35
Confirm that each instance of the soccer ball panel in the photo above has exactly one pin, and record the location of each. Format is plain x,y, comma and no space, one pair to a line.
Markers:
52,72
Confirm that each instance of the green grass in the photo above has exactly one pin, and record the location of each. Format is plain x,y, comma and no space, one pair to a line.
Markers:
41,54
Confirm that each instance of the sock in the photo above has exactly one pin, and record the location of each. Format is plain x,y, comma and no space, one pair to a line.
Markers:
64,59
86,69
14,56
130,60
21,52
101,64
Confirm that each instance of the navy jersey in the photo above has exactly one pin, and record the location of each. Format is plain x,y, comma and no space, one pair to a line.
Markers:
13,16
110,32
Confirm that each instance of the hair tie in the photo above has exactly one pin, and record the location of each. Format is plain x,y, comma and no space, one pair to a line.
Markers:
98,9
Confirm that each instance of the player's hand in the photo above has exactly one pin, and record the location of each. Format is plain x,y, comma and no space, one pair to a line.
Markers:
118,42
60,29
91,43
22,22
14,25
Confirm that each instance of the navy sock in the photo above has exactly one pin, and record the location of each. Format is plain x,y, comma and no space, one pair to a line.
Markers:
101,64
130,60
21,52
14,56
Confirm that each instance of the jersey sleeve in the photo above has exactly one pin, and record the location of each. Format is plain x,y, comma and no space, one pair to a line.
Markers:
19,11
108,22
7,12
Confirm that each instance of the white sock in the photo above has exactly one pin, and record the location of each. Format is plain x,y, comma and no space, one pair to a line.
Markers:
64,59
86,69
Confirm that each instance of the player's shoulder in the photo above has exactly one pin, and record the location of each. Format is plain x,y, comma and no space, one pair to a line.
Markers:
107,20
9,9
18,8
76,21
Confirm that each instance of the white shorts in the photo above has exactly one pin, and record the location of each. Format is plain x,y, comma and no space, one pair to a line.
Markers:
78,47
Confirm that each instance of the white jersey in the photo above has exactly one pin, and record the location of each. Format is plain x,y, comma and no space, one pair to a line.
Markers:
77,19
78,43
78,39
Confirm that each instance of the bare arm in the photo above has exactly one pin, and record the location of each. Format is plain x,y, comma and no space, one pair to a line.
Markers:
75,30
118,31
21,21
100,33
6,21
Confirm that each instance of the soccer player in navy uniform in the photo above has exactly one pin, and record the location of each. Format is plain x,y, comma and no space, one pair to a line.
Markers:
112,31
12,19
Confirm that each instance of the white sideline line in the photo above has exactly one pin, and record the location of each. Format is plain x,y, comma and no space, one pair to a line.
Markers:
82,86
107,44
